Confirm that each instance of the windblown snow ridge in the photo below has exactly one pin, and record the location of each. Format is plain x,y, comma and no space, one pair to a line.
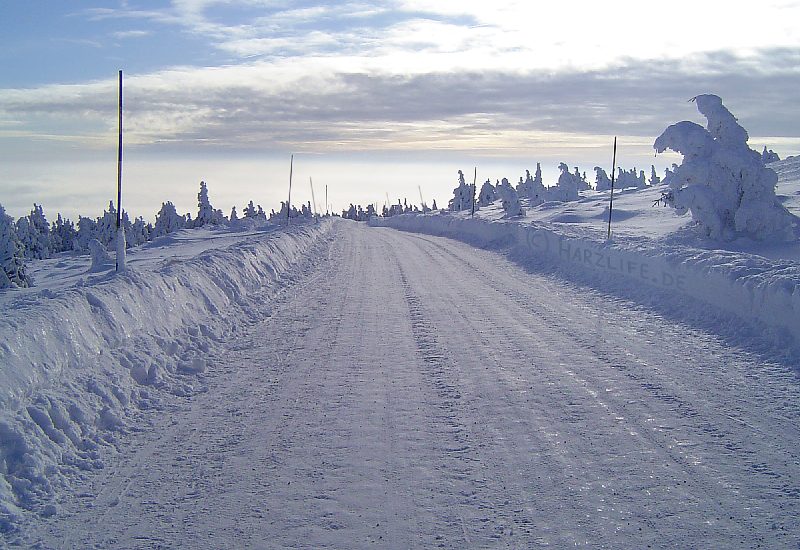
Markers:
748,286
77,367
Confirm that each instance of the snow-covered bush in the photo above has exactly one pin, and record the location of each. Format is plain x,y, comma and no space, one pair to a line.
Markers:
654,179
462,195
12,257
722,182
510,199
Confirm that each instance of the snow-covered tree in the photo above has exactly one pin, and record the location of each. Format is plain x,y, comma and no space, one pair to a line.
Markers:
12,258
580,181
250,210
167,221
567,187
62,235
234,215
532,188
601,181
510,199
33,231
769,156
488,194
434,207
87,230
654,179
462,195
206,213
721,181
138,232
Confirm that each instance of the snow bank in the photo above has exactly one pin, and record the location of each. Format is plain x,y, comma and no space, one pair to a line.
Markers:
77,365
749,286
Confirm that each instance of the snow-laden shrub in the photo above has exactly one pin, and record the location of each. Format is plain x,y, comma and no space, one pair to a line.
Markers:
12,255
722,182
567,187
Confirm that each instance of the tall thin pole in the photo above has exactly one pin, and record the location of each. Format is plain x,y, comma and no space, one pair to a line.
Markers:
313,200
326,200
611,200
474,182
119,166
289,202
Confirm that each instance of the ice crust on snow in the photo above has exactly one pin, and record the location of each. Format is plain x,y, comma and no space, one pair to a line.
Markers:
77,363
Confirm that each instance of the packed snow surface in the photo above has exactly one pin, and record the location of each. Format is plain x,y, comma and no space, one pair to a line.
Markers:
345,386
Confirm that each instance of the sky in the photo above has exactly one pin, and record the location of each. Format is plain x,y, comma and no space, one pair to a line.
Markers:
376,100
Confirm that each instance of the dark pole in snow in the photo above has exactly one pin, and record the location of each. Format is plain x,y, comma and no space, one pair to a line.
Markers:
611,201
119,165
474,182
326,200
289,202
313,200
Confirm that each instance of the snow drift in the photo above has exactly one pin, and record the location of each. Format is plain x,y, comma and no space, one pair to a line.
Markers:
77,365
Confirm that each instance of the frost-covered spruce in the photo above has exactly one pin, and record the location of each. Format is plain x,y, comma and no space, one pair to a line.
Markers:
654,179
167,221
510,199
532,188
206,213
462,195
12,258
488,194
567,188
33,232
62,235
722,182
769,156
601,181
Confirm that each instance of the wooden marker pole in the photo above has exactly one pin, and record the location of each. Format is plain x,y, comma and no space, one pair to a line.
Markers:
119,176
289,202
474,183
611,200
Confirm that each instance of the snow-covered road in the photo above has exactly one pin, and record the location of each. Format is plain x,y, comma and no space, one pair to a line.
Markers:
415,392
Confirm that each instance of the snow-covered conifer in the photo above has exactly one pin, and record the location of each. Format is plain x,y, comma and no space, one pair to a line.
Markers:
654,179
87,230
206,213
234,215
601,182
33,232
567,187
722,182
12,258
462,195
62,235
167,221
769,156
488,194
510,199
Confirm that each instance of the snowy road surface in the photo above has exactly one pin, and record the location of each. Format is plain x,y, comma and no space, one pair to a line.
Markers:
414,392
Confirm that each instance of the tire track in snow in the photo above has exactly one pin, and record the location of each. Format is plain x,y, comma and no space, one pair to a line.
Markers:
694,413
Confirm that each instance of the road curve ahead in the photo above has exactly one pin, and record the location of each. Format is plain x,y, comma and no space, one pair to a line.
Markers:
414,392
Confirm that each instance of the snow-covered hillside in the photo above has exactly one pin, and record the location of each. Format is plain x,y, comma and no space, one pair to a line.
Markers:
84,352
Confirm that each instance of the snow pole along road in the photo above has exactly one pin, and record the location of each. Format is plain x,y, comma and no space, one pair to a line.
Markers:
414,392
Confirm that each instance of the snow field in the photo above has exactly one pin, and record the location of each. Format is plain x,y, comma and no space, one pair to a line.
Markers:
746,285
78,365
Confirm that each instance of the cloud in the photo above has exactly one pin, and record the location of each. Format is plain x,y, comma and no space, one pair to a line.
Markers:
359,104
